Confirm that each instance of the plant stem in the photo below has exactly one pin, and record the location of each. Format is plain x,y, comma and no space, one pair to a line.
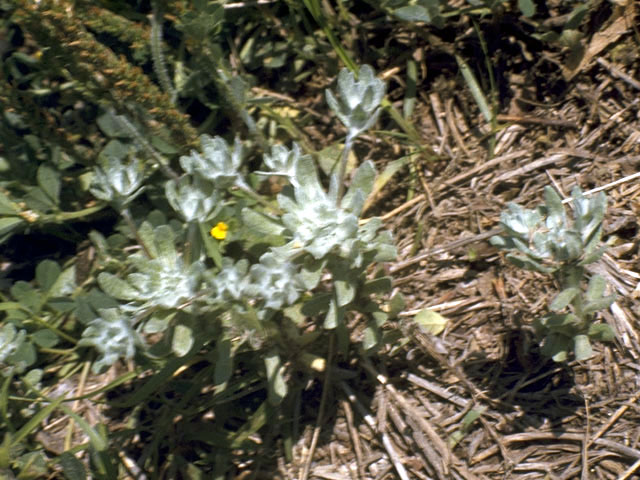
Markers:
348,145
132,226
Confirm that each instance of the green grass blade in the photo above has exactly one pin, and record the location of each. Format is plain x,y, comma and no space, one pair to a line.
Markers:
34,421
475,89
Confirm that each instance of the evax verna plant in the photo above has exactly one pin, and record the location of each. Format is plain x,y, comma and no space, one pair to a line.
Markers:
311,259
546,240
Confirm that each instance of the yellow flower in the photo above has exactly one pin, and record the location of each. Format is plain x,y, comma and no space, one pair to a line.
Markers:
219,232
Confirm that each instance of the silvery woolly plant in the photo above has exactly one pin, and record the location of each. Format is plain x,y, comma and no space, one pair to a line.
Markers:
312,260
546,240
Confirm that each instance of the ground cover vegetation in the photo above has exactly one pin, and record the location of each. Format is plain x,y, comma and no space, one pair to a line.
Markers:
274,239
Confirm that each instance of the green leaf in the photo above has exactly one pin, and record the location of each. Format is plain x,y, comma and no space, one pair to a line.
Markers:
527,8
182,340
24,356
345,292
6,306
396,305
602,332
556,347
564,298
377,285
474,88
49,182
32,377
430,321
260,223
112,126
275,376
413,13
335,315
582,347
211,245
116,287
528,264
362,181
26,295
164,240
65,284
9,224
576,16
72,468
596,288
115,149
47,273
163,146
555,210
7,207
317,304
45,338
372,336
224,362
591,253
311,272
147,236
600,304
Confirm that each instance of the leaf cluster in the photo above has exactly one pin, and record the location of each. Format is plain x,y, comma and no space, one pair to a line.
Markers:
547,240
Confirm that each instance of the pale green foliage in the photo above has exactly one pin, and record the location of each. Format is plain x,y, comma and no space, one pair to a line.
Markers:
112,336
217,163
546,240
164,281
314,236
283,161
10,340
231,282
194,198
116,182
358,102
275,281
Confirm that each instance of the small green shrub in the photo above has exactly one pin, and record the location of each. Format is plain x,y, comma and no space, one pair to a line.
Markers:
545,240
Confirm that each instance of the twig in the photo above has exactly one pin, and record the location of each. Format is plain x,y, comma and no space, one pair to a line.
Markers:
386,442
616,72
556,436
629,471
614,418
355,438
537,121
448,457
320,419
